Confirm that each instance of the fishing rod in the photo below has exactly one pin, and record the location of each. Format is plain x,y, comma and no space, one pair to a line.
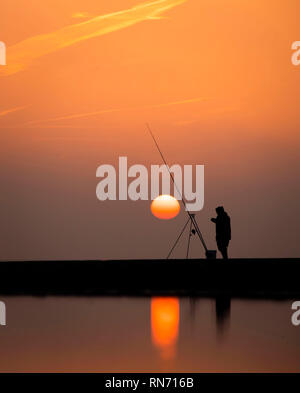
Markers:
191,216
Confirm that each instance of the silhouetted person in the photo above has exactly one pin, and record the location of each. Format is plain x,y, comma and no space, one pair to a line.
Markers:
223,230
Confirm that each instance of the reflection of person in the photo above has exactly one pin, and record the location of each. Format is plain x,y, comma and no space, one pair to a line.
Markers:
223,230
223,303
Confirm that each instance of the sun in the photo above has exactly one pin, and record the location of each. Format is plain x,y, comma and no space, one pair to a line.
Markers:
165,207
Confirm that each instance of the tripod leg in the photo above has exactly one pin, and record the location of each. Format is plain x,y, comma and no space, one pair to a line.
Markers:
188,247
177,240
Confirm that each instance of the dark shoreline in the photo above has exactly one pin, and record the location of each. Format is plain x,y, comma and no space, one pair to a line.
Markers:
265,278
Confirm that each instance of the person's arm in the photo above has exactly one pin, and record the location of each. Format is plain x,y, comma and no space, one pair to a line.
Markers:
213,220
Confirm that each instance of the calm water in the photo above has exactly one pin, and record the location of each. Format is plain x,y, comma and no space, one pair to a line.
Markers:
148,334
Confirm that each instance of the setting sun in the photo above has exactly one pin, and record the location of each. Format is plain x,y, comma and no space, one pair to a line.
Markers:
165,207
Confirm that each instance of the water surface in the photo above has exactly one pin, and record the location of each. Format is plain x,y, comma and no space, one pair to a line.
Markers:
115,334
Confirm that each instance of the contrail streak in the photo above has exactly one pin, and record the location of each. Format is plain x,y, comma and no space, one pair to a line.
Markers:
21,55
88,114
15,109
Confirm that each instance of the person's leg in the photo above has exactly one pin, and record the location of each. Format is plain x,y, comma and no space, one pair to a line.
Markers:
223,250
220,247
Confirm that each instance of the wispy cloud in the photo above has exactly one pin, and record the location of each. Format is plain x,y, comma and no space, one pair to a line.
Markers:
21,55
12,110
81,15
104,111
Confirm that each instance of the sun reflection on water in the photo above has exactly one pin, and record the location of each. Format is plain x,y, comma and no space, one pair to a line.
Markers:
165,325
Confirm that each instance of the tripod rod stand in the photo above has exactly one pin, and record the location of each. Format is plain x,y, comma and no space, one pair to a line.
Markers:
190,220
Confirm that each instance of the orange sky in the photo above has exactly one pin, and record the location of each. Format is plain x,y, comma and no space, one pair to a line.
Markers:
213,77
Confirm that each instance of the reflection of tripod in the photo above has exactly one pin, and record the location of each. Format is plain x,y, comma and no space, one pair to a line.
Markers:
210,254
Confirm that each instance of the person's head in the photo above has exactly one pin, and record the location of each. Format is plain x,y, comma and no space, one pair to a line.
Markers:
220,210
